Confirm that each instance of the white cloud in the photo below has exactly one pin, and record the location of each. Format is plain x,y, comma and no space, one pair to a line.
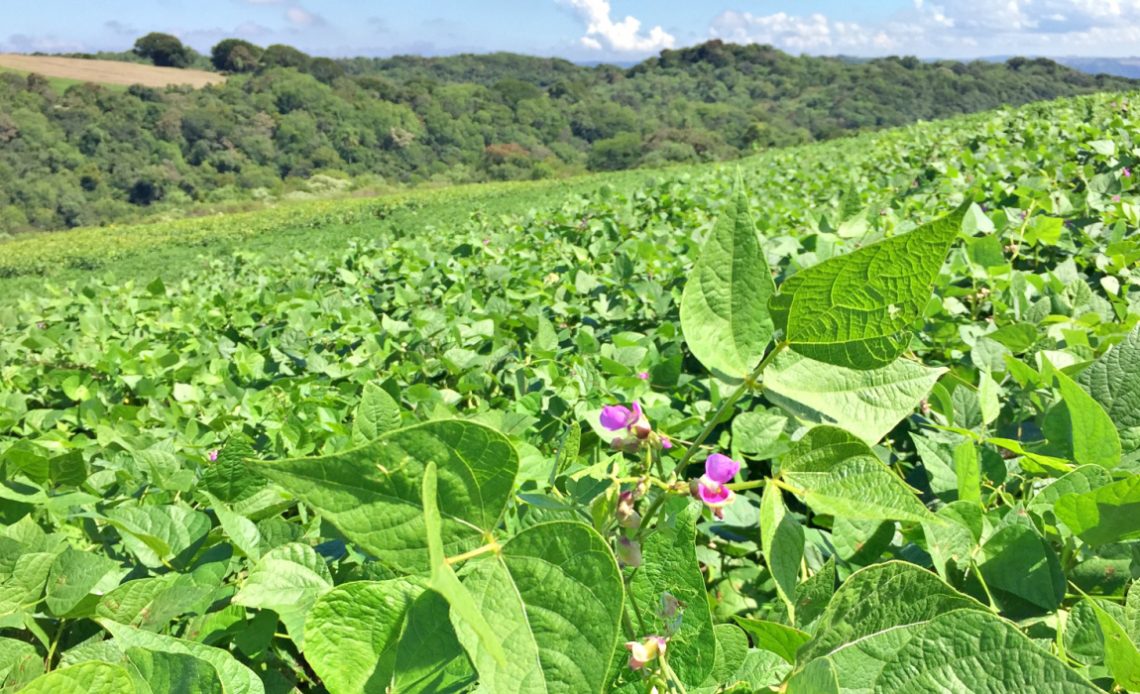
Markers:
300,17
626,36
812,34
952,28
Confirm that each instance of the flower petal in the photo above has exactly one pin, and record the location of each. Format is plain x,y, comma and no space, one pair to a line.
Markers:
616,417
713,493
721,468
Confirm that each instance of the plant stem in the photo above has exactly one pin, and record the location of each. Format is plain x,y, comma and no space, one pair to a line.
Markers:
489,547
741,486
728,403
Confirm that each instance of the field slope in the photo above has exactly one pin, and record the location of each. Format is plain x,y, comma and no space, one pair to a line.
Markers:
107,71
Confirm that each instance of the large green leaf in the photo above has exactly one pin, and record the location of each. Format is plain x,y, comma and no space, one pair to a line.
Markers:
782,541
287,580
867,402
376,414
881,598
1089,435
1120,652
969,651
553,598
372,493
160,535
838,474
724,307
376,637
854,310
92,677
235,677
159,672
1021,562
669,567
1107,514
73,576
1113,380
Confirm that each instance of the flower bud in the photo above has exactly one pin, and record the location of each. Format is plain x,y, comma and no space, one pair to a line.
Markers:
628,552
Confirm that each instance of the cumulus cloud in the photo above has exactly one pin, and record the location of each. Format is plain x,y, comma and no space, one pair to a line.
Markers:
953,28
624,36
812,34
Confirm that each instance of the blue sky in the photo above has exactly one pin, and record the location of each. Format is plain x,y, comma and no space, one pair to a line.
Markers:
591,29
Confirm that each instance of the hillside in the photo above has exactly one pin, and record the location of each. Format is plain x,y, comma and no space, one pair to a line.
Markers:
107,71
897,444
90,156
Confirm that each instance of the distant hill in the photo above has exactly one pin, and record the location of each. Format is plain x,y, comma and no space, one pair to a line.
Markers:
107,71
290,124
1121,67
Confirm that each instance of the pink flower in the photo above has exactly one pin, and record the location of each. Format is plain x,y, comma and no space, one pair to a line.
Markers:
644,375
1126,172
711,489
618,417
641,652
212,455
665,442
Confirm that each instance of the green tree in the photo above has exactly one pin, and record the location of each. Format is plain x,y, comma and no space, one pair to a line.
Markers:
163,50
235,55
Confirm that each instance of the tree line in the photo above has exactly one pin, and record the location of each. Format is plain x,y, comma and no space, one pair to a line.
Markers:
287,122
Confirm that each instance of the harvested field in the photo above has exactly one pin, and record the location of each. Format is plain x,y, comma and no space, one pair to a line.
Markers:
107,71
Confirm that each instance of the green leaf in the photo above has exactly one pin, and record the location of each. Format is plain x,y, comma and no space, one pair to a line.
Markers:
385,636
1120,652
93,677
724,306
1113,380
669,566
376,414
819,677
838,474
854,310
973,651
241,530
868,403
235,677
880,598
1021,562
781,639
554,598
782,541
287,580
160,535
1107,514
968,470
372,493
163,673
73,576
443,579
1092,434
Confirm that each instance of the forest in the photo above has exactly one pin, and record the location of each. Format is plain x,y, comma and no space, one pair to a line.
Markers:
286,124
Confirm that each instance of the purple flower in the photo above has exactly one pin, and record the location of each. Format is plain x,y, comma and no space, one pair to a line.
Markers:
644,375
1116,198
665,442
618,417
711,489
721,468
212,455
1127,172
627,515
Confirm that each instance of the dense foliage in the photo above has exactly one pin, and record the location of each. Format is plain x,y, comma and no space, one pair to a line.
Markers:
389,463
287,123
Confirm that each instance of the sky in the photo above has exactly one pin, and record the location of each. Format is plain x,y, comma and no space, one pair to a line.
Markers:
589,30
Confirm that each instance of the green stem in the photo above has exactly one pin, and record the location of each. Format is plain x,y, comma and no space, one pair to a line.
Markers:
985,587
55,639
728,403
741,486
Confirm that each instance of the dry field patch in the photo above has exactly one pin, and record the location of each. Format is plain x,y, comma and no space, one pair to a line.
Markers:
107,71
